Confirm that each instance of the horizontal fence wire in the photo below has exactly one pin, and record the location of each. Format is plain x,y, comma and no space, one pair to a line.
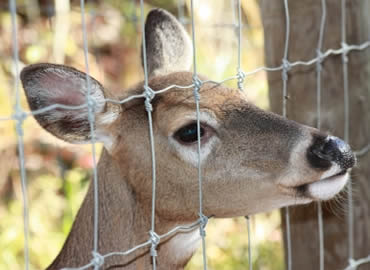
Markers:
19,115
347,49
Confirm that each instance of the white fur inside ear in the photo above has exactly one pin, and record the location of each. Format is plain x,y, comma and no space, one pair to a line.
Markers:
63,86
49,84
108,117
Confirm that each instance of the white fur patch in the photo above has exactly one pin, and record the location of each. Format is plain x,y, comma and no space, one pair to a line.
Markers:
108,117
184,244
190,153
107,140
334,169
327,188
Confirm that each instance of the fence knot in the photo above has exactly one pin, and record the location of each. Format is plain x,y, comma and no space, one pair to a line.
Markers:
149,95
91,105
98,259
345,50
91,102
286,67
20,116
197,85
203,220
241,77
320,58
154,239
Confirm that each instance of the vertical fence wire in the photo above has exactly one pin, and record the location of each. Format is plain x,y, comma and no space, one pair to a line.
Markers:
241,77
91,117
240,74
197,85
346,125
318,124
149,95
286,67
250,263
20,116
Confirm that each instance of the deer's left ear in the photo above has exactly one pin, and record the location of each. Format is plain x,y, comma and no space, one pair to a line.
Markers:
50,84
168,46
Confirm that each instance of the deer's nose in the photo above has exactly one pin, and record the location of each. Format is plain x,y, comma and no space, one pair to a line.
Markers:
328,150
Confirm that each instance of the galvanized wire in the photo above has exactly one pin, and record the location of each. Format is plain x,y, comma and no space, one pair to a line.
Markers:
346,125
149,95
250,262
91,117
19,116
318,124
286,67
197,85
98,260
240,74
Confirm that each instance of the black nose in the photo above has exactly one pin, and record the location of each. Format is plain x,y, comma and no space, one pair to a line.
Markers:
328,150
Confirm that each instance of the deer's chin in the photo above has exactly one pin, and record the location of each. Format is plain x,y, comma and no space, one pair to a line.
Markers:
324,189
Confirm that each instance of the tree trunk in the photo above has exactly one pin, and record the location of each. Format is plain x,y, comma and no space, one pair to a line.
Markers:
305,17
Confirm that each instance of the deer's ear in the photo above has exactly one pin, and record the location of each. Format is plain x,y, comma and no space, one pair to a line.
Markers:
168,46
49,84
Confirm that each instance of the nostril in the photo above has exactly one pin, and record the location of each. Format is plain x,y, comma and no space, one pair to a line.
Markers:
324,151
328,150
317,155
341,153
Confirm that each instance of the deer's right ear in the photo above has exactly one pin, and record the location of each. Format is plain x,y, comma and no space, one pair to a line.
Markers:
50,84
168,46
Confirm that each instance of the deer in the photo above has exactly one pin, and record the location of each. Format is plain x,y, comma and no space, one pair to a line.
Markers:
252,160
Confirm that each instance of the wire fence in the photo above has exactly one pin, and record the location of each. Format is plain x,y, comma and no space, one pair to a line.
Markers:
154,239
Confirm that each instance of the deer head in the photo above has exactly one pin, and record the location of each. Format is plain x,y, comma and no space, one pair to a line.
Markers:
252,160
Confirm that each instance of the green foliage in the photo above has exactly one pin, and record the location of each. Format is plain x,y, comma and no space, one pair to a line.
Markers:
51,216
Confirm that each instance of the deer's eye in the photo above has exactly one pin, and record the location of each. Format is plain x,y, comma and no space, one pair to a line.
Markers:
189,133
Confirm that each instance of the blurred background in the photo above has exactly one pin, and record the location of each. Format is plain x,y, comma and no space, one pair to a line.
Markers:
59,173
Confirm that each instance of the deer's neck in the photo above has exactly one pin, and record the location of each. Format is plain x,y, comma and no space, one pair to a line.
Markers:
123,223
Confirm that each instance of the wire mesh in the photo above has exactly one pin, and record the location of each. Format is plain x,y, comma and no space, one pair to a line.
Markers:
98,260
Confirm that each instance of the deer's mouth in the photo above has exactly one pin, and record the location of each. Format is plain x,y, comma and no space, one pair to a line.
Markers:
325,188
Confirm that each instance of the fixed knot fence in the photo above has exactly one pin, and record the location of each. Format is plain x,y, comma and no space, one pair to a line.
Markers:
286,69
